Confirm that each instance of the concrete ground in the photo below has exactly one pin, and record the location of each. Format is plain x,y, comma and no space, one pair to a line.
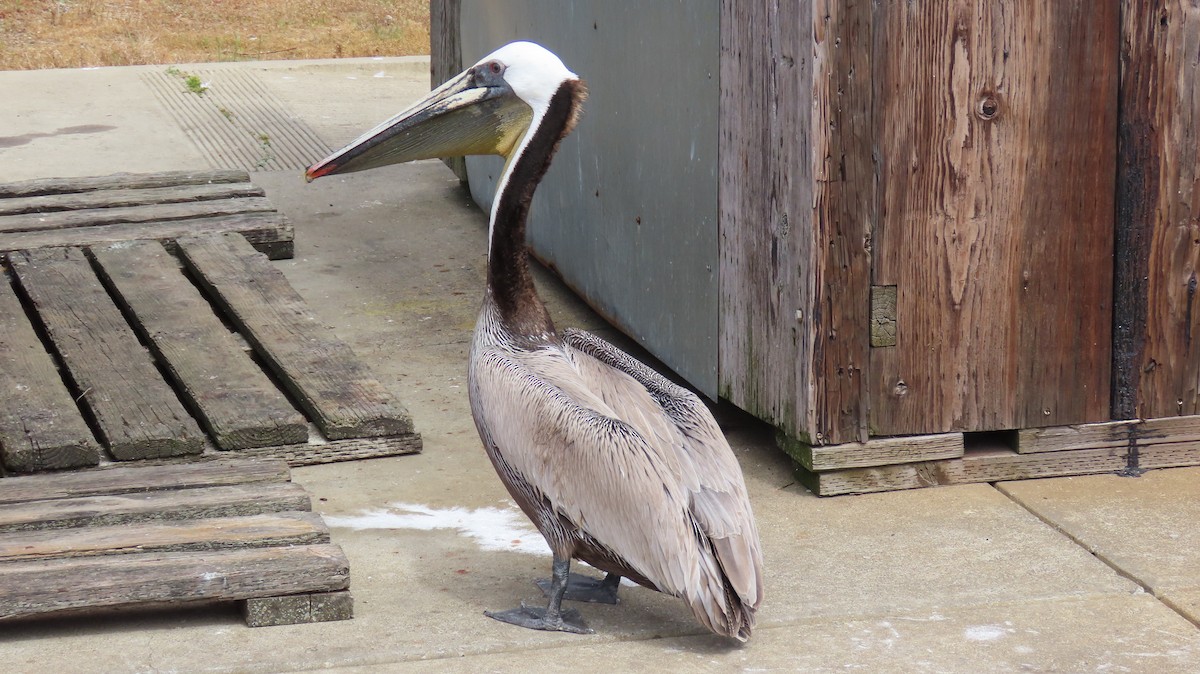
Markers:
1089,574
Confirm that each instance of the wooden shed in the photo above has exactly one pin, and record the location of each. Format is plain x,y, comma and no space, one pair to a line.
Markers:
931,242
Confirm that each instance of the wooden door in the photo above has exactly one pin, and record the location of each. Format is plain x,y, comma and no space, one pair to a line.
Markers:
996,147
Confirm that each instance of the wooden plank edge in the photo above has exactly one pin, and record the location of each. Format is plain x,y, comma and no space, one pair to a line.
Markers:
980,467
873,452
45,186
31,588
197,472
1143,432
315,453
298,609
213,533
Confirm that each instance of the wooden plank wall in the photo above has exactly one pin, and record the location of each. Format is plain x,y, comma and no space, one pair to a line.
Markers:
1156,370
794,221
960,153
995,129
445,57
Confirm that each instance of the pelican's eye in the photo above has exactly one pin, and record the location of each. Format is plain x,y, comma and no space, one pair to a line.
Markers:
495,67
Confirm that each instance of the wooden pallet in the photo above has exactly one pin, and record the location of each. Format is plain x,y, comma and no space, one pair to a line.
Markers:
221,530
125,350
128,207
885,464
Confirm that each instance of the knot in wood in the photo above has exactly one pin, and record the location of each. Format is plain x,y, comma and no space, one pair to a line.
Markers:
989,107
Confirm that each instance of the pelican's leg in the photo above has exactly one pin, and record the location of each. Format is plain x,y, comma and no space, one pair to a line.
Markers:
586,588
553,617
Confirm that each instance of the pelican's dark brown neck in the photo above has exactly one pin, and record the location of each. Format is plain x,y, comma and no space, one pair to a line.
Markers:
509,280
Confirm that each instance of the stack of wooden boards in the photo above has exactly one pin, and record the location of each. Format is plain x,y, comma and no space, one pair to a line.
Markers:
148,340
907,462
222,530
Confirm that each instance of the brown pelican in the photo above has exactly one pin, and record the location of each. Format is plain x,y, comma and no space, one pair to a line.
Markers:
613,463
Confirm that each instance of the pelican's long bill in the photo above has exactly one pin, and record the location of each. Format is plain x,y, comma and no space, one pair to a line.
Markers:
474,113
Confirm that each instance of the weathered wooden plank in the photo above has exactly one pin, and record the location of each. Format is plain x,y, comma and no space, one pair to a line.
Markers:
213,533
236,401
163,212
351,449
796,203
136,412
28,588
123,479
995,466
973,467
117,181
445,58
875,452
177,504
880,478
322,373
40,426
298,608
128,197
1169,429
1079,436
996,213
1169,455
270,233
1156,370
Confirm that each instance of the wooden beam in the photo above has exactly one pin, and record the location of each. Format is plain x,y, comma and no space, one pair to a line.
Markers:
1078,436
350,449
1157,314
178,504
129,478
995,131
120,181
136,412
875,452
161,212
28,588
41,428
235,400
320,371
269,232
298,608
128,197
210,533
445,58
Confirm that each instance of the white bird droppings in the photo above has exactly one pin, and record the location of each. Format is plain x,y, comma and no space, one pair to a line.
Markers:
490,528
984,632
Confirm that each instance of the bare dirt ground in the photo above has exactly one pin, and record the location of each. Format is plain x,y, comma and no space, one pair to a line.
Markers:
83,33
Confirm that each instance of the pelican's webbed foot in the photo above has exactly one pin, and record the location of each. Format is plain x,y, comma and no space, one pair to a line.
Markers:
552,618
586,588
536,619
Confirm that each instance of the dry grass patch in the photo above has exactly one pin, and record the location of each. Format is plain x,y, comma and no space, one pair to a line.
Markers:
81,33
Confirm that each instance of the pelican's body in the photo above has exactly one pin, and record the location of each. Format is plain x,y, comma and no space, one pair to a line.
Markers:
615,465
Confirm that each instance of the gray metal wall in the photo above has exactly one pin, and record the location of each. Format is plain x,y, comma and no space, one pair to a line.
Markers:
628,211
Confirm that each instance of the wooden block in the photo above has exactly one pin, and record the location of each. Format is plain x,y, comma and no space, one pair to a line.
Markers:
28,588
41,428
33,222
128,197
117,181
1007,465
1080,436
874,452
300,608
270,233
124,479
1169,429
213,533
351,449
238,404
881,478
1169,455
136,412
176,504
319,370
